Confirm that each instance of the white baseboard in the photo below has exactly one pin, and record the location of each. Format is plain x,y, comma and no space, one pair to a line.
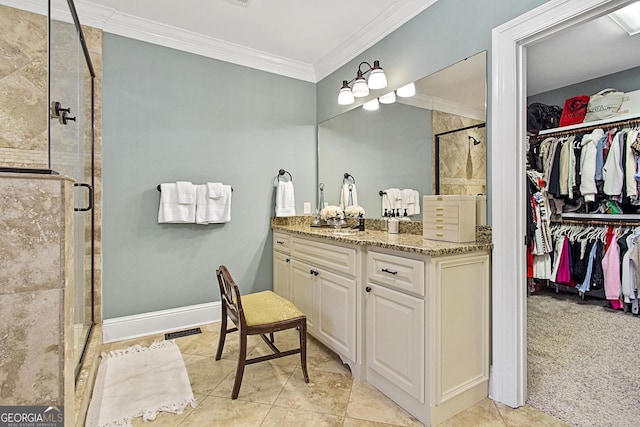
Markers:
156,322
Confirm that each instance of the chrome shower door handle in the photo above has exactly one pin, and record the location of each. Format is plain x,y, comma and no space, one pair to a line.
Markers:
90,188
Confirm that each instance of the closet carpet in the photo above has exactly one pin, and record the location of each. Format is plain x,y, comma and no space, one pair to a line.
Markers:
583,361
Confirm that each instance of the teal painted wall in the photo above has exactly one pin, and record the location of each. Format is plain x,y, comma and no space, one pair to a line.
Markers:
171,115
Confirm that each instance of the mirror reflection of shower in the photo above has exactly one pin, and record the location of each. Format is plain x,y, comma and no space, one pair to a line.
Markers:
460,159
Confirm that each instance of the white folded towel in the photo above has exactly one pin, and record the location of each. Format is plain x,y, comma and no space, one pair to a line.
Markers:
170,211
215,189
186,193
210,210
285,199
348,197
411,201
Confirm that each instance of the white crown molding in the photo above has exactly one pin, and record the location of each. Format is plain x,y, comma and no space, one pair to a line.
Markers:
444,105
157,322
122,24
164,35
369,35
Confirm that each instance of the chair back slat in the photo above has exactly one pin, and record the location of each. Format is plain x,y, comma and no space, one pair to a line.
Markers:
230,296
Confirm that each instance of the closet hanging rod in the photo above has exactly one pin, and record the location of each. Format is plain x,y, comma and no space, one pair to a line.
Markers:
601,222
281,172
609,125
160,188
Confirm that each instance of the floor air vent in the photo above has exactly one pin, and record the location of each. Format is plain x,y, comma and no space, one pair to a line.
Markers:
178,334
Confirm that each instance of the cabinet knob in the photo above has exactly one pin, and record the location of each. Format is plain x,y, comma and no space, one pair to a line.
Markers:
368,289
314,272
280,242
288,259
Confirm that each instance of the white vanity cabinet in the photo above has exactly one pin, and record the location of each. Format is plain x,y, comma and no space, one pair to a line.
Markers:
323,283
427,330
415,326
281,264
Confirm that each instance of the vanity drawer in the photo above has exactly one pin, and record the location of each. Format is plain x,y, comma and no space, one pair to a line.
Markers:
404,274
281,242
340,259
446,233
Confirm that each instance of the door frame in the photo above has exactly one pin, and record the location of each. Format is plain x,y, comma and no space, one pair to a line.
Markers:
508,181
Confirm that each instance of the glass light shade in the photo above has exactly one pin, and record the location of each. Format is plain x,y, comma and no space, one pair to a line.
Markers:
377,79
388,98
360,87
371,105
406,91
345,97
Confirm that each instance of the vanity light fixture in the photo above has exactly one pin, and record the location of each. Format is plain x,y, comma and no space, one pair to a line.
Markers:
371,105
388,98
406,91
377,80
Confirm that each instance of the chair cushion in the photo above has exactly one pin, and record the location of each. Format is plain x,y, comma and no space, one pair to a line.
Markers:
268,307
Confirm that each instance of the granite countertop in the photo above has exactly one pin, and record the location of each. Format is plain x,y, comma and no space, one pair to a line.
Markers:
406,242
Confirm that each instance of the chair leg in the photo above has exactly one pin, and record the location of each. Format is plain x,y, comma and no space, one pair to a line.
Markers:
302,331
242,358
223,333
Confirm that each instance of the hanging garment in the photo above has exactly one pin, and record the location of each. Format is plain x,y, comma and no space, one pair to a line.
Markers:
585,285
597,275
564,273
612,172
542,266
559,245
588,187
565,153
631,186
611,269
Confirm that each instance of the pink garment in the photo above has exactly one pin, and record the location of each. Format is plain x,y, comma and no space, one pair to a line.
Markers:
611,269
564,271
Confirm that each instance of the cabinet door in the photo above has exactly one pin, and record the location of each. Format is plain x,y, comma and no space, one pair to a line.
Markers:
281,264
302,290
395,339
337,312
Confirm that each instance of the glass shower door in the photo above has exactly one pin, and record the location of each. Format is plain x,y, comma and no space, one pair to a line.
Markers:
71,154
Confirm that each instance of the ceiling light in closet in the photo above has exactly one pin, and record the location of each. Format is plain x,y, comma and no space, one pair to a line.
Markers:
377,80
628,18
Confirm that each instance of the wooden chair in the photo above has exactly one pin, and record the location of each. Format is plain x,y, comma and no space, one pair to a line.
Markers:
258,314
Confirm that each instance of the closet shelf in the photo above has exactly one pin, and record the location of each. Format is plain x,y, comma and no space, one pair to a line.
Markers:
597,123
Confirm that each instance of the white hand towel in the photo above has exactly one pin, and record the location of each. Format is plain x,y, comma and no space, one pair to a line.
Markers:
186,193
170,211
213,211
411,201
215,189
285,199
348,197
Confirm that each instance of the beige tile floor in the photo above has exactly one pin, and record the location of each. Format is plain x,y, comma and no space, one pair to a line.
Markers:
274,394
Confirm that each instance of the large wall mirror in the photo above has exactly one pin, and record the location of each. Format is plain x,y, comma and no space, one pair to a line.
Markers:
433,142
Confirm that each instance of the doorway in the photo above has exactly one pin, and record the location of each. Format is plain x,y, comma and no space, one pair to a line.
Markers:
508,129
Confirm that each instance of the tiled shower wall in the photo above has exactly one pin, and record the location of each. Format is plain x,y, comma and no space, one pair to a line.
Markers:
463,165
25,114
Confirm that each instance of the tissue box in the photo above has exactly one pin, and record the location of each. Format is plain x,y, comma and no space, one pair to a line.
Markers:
450,218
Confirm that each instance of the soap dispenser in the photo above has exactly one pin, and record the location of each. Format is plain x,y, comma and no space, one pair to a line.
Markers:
360,222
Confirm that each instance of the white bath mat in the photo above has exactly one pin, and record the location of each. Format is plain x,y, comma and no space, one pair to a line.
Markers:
139,382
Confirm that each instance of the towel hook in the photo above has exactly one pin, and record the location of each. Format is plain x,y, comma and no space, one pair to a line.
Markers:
347,176
281,172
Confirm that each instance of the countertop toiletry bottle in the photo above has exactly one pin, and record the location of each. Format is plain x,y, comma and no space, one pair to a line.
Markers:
385,221
393,225
361,222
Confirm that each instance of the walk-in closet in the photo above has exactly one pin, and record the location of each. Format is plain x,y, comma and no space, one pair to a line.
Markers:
583,229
